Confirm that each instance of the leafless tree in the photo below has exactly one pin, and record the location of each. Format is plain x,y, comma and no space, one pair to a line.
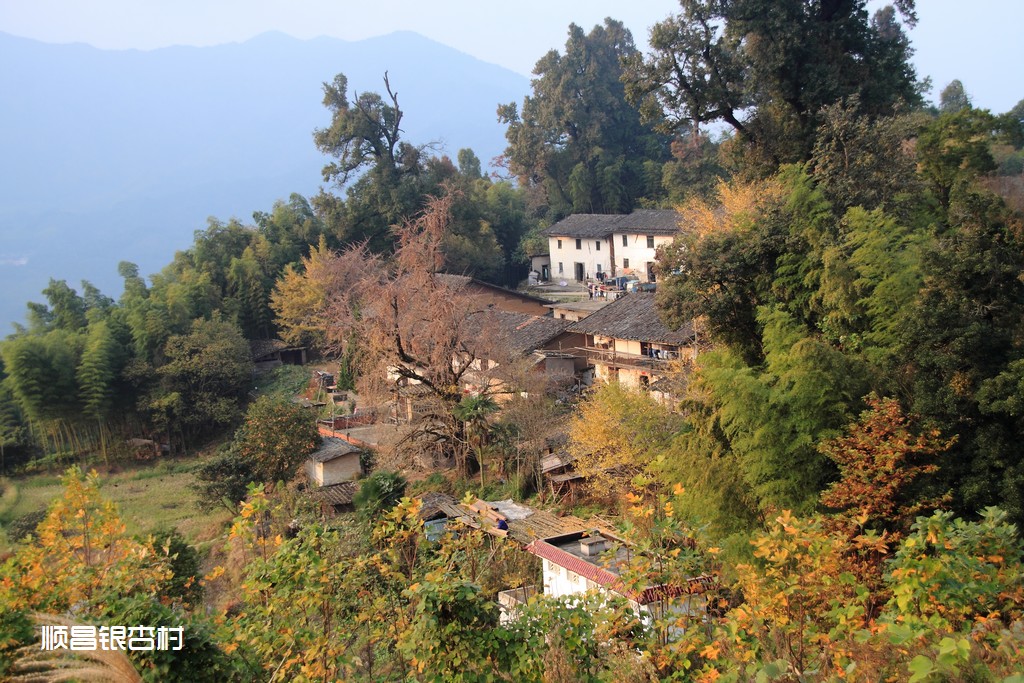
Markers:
415,331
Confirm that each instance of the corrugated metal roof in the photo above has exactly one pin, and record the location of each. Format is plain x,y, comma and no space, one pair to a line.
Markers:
632,316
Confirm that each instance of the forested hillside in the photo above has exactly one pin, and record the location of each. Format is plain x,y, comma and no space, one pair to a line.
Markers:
836,480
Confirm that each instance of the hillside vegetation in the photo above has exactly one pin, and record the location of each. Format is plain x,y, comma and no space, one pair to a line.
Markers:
837,476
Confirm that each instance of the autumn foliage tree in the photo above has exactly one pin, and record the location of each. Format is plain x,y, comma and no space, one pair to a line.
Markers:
82,560
616,435
302,295
413,325
879,459
84,543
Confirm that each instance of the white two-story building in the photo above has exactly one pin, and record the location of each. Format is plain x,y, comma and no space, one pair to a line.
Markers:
588,246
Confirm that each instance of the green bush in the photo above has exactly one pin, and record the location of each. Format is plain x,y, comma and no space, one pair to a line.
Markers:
380,492
22,526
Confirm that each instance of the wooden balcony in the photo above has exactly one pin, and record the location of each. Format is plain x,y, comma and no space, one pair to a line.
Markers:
622,359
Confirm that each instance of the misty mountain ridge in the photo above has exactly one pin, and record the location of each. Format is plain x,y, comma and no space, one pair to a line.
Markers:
117,155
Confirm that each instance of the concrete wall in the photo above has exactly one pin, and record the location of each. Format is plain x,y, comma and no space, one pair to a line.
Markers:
345,468
629,377
538,263
559,581
636,252
627,346
566,314
588,254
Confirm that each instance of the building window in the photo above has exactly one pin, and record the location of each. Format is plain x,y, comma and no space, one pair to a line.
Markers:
597,245
625,263
650,241
560,269
559,244
625,241
579,243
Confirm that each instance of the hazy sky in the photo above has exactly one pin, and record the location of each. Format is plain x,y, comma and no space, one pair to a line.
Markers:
979,42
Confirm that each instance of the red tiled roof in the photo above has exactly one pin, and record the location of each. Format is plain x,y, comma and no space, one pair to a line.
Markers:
607,579
598,575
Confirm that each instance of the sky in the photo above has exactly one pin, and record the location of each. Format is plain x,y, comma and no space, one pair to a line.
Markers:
977,42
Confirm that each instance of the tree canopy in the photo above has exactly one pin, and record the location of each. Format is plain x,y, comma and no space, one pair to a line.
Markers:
767,69
576,136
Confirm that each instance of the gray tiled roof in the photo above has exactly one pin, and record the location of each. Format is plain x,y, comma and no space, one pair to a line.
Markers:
633,316
650,222
459,283
335,494
595,225
599,225
333,448
520,333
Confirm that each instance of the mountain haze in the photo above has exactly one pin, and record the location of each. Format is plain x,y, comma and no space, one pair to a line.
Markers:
113,155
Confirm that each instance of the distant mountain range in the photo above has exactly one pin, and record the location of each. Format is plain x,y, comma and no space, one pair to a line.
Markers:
111,155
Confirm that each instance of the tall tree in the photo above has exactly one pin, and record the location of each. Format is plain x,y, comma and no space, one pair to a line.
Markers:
98,371
363,132
766,68
276,437
954,98
365,138
413,327
576,135
202,383
616,436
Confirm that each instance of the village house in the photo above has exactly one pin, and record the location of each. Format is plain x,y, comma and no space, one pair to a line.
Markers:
574,557
522,523
334,462
272,353
588,246
505,343
332,472
627,342
580,561
505,326
512,338
540,267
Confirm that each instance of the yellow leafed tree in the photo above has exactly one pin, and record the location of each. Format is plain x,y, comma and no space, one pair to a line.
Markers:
735,207
81,556
616,434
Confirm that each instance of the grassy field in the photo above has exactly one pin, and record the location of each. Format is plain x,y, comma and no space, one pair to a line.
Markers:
149,497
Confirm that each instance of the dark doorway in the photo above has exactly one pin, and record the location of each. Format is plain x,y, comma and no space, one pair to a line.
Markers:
580,273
